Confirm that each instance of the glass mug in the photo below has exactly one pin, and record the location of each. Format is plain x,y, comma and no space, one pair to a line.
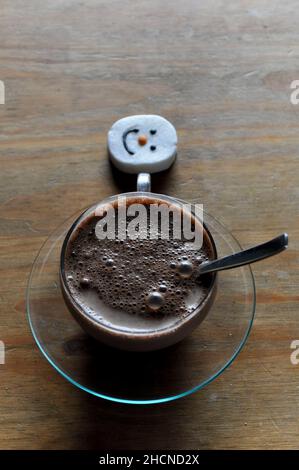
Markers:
114,326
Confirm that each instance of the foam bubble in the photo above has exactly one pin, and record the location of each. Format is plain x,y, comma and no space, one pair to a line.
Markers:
85,282
185,268
154,301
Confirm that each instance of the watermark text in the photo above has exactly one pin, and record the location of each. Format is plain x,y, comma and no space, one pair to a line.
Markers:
294,98
2,353
294,357
2,92
157,220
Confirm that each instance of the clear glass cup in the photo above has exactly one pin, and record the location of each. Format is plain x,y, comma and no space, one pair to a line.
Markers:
165,333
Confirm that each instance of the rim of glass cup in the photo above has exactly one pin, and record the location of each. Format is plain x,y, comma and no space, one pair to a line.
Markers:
144,401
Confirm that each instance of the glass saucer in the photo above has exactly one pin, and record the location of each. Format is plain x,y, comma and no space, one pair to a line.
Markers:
140,378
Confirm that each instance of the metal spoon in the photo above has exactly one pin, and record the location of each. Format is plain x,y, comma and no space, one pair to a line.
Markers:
256,253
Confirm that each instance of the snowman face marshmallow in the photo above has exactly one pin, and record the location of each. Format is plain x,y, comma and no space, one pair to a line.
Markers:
142,143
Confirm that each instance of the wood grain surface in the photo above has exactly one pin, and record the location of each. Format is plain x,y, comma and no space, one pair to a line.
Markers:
221,72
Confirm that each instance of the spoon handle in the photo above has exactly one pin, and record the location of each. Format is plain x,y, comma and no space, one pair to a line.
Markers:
256,253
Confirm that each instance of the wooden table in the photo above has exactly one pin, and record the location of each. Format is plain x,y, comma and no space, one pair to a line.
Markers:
221,72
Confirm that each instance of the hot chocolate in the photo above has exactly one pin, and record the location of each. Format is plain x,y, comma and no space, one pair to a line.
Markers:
135,286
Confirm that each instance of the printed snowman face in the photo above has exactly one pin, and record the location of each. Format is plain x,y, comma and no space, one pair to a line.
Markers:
142,143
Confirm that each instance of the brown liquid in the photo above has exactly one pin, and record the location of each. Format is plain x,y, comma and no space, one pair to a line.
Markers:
135,285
